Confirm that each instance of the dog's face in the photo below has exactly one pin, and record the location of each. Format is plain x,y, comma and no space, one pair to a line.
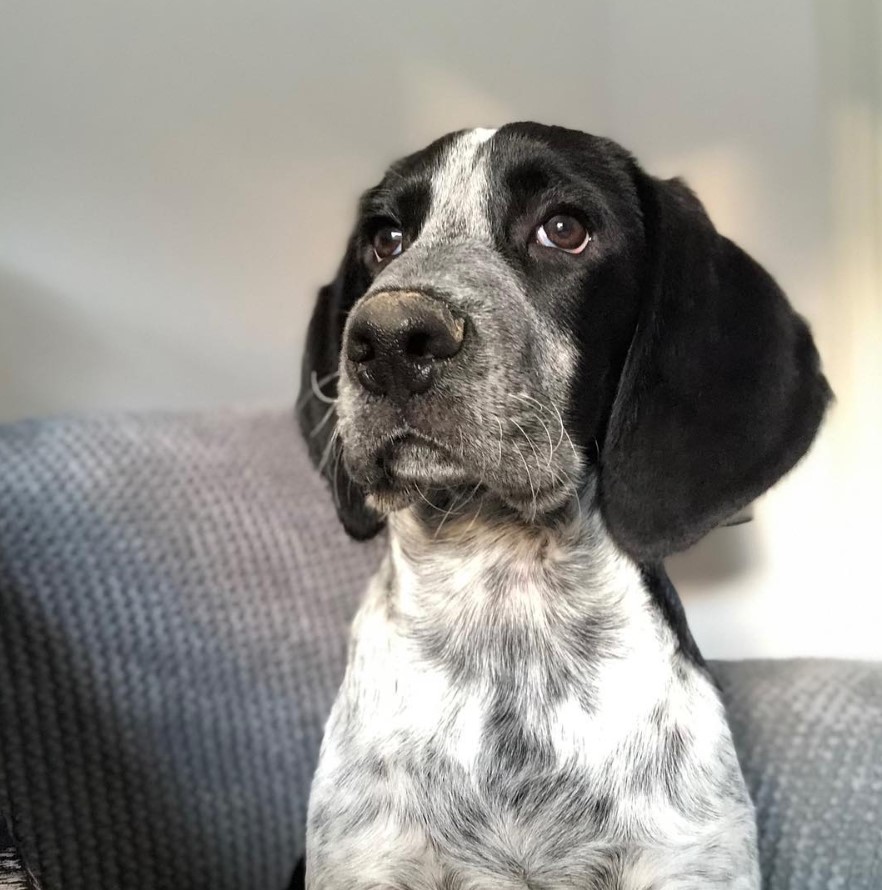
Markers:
499,276
523,313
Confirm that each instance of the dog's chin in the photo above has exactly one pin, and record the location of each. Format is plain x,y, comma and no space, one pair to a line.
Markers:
411,469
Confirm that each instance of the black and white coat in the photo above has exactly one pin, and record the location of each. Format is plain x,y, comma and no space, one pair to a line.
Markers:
545,370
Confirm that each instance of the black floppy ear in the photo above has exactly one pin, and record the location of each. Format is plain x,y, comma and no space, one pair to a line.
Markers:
318,390
721,393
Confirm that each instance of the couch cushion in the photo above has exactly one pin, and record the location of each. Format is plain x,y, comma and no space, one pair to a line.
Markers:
809,737
174,596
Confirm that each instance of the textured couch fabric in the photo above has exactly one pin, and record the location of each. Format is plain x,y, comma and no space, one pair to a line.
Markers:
174,596
809,737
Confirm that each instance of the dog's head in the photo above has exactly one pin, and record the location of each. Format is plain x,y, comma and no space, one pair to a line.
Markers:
522,314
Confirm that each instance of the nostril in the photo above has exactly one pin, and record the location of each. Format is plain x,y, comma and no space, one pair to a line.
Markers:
433,335
397,343
418,345
445,340
360,349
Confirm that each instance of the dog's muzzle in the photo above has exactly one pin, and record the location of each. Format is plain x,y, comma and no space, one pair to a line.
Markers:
398,342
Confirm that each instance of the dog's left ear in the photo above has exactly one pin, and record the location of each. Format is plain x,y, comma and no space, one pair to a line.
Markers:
721,393
318,390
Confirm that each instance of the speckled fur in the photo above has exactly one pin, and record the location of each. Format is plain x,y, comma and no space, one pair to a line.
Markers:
516,714
517,711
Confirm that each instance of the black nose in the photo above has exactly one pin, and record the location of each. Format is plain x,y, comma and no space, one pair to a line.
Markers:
397,340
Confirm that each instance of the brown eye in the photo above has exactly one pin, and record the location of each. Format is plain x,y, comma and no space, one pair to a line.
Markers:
563,233
387,243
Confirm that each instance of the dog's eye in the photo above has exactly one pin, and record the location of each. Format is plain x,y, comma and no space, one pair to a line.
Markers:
387,243
563,232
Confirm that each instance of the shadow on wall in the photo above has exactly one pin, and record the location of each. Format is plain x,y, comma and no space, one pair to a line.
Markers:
724,554
54,354
46,350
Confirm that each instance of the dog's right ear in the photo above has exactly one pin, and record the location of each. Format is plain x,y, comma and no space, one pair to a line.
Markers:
722,392
318,393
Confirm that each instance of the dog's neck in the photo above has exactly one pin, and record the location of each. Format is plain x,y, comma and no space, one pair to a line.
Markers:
483,583
439,557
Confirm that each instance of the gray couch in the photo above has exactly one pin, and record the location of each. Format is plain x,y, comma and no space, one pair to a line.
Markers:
174,596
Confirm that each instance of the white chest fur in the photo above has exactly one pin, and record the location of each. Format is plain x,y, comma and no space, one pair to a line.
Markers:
516,713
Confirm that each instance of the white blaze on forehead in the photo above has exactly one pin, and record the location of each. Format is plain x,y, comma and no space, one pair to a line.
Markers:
460,188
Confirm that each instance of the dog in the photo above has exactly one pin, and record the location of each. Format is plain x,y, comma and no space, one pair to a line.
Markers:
544,370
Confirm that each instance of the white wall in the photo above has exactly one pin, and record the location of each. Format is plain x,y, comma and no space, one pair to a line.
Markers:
176,178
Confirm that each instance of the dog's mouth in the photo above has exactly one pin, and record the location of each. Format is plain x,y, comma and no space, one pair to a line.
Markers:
511,454
411,468
410,462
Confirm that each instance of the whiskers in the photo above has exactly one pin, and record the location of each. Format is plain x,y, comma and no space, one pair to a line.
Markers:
327,416
332,451
460,503
331,446
315,389
315,392
560,476
316,385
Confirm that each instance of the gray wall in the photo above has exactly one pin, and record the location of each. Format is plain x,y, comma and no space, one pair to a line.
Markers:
177,178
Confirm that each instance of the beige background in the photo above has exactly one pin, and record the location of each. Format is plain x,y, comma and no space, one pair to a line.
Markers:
176,178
